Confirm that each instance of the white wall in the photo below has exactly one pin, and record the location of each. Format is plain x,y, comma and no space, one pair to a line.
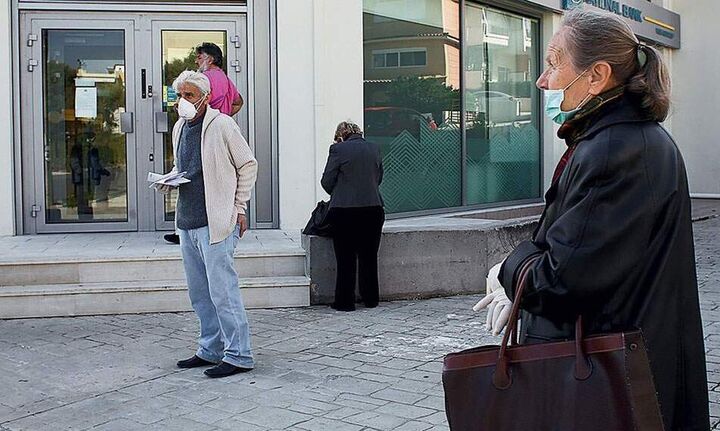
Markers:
696,92
7,194
320,83
296,132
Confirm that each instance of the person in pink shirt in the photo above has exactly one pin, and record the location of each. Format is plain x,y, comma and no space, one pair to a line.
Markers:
224,96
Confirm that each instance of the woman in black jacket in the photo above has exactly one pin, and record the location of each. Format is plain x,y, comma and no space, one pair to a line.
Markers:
352,178
615,241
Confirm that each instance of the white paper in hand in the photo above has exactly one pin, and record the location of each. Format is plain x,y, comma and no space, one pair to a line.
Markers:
172,179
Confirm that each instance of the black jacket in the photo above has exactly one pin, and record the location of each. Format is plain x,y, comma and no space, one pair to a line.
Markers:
615,244
353,174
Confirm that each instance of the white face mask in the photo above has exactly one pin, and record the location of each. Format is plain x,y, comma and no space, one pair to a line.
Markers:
205,65
187,110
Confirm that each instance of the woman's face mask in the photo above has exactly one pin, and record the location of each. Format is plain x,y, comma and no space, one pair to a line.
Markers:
187,110
555,98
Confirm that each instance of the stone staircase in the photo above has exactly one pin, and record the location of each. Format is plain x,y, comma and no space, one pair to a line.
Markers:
73,279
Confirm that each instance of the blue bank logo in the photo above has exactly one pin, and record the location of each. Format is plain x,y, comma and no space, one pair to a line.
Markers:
613,6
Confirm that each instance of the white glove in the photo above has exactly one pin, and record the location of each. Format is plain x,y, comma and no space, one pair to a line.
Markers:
499,307
491,282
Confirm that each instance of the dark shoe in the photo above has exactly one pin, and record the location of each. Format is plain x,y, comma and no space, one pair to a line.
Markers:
194,362
371,304
223,369
342,308
172,238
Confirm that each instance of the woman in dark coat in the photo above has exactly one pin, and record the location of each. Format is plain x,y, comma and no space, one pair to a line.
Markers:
615,242
352,179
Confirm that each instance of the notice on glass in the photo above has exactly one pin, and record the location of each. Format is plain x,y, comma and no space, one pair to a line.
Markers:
85,102
169,95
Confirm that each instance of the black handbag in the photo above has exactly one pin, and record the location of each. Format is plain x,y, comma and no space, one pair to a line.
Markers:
596,383
319,224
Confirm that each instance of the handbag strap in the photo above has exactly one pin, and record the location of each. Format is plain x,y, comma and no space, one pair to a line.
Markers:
501,377
515,310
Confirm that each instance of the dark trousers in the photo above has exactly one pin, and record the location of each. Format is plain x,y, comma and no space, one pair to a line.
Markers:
356,239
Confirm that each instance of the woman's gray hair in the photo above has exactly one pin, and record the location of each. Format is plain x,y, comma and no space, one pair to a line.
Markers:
197,79
592,35
345,129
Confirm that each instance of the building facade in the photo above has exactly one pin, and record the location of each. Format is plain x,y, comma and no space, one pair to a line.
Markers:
446,87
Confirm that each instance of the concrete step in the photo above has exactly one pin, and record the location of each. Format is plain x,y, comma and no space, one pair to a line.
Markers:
143,269
79,299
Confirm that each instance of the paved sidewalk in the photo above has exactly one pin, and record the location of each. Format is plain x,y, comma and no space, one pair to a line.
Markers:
317,369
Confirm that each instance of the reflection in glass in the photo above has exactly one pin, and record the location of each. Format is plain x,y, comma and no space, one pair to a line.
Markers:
412,100
502,139
178,54
85,152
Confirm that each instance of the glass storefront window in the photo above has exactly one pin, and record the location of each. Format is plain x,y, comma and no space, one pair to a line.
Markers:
502,122
412,100
413,106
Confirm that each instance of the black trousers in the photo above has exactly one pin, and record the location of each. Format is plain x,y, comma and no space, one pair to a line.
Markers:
356,239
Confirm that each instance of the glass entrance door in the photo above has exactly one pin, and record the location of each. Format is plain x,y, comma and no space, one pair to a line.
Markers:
98,111
80,124
174,43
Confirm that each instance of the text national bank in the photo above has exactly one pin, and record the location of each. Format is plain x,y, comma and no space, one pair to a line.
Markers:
609,5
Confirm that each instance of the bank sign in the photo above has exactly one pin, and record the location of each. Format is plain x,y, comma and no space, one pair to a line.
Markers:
649,22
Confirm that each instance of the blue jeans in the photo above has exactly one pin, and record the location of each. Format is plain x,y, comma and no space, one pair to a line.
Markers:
215,297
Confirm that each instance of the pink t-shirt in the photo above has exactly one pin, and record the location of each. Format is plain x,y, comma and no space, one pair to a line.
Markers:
224,92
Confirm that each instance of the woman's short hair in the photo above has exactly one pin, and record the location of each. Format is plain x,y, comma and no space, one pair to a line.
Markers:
197,79
213,51
345,129
591,35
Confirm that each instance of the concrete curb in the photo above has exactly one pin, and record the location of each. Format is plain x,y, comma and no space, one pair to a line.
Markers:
441,257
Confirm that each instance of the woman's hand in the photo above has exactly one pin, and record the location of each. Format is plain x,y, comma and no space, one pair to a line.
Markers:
499,307
496,301
491,282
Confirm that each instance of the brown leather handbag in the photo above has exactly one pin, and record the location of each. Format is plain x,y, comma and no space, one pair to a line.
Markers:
598,383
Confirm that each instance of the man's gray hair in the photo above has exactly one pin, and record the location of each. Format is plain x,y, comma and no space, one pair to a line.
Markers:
197,79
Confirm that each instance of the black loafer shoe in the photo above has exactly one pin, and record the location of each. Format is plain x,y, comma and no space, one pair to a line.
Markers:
194,362
371,304
223,369
172,238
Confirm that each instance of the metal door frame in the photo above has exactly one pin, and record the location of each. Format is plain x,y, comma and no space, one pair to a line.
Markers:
33,121
145,207
233,26
260,98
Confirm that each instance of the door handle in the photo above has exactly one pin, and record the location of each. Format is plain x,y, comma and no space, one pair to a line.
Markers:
127,125
161,122
143,83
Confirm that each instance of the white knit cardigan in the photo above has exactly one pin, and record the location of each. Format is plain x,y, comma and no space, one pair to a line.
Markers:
229,171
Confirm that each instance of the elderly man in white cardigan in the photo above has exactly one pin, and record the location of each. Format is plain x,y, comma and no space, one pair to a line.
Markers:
210,217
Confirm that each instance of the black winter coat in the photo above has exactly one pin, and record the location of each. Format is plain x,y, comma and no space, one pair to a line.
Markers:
615,244
353,174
